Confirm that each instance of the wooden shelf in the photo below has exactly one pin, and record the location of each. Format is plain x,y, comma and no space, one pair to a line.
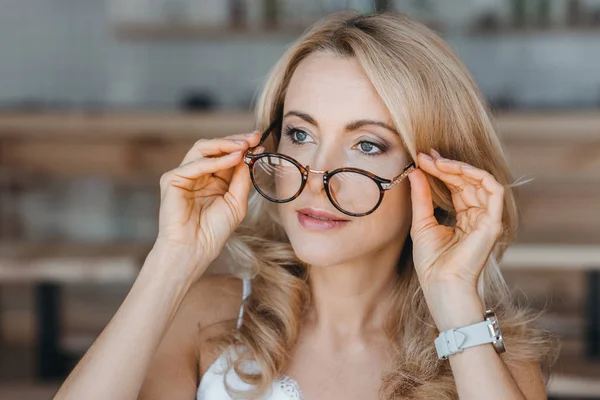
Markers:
124,125
558,125
77,263
544,257
143,31
28,390
534,31
71,262
187,31
573,386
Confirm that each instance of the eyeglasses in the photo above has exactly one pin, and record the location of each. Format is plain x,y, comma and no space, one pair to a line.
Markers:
353,191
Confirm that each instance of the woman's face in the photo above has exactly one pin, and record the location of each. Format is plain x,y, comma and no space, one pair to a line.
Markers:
334,118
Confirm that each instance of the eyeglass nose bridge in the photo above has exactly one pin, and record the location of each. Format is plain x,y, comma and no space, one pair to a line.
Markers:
314,171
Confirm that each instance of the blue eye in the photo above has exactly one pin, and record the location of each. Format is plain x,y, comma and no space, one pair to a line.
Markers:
296,136
368,147
300,136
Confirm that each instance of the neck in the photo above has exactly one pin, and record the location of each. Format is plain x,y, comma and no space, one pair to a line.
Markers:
351,299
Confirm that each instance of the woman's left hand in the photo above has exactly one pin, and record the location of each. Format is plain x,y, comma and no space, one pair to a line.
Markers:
449,260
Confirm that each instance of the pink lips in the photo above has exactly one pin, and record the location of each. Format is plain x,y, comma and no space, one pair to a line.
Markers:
319,220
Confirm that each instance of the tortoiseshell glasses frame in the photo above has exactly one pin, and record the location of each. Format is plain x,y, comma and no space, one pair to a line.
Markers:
382,183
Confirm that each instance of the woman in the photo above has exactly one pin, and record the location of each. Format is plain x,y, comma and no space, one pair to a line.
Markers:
354,260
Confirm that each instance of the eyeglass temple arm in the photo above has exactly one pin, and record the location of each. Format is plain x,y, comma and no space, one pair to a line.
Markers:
405,172
267,132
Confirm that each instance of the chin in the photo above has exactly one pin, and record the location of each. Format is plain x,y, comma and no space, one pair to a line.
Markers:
317,257
319,250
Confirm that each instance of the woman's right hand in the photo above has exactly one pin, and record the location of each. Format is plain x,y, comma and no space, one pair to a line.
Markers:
205,199
202,203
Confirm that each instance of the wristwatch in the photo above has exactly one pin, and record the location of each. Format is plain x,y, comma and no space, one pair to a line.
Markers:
456,340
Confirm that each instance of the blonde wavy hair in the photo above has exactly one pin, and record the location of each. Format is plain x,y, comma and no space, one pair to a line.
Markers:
434,103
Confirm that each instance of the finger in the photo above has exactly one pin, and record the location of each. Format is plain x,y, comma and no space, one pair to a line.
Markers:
465,198
202,166
465,190
252,138
212,147
222,146
422,203
482,195
227,174
442,169
240,185
453,167
494,189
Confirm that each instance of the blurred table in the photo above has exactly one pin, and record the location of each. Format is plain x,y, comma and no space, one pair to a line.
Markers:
49,266
572,257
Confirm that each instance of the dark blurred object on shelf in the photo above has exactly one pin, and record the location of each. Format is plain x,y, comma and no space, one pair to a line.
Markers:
381,5
519,13
593,13
574,13
238,13
271,14
502,102
197,100
543,13
487,23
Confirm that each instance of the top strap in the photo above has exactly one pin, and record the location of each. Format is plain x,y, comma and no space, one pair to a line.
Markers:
246,292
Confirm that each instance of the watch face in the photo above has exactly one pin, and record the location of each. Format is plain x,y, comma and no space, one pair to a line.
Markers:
499,343
495,331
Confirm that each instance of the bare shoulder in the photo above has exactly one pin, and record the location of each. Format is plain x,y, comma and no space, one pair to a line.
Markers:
210,307
221,298
213,304
213,299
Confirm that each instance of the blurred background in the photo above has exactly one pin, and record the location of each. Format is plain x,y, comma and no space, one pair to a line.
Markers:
99,97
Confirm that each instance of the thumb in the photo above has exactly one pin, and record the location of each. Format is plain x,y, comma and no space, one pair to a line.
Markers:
239,187
422,203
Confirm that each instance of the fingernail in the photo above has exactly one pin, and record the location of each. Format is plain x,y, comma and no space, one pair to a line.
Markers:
259,150
442,159
435,153
235,153
239,141
426,156
251,133
468,166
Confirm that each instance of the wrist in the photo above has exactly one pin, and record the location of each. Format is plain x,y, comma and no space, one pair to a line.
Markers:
452,309
176,261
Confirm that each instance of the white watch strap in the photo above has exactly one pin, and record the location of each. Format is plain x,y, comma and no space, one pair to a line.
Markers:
455,340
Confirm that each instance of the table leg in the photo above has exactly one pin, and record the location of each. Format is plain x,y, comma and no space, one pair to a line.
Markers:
593,315
51,364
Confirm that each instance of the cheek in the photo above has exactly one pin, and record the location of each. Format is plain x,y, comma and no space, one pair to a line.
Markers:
288,217
395,211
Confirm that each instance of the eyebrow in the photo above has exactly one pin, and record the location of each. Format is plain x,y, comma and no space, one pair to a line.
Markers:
352,126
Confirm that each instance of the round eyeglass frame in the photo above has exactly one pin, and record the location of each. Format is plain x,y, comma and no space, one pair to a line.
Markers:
382,183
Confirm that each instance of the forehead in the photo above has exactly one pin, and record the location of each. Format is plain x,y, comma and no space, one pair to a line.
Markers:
334,89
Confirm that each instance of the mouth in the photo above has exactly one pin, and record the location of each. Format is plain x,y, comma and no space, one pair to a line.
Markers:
320,215
319,220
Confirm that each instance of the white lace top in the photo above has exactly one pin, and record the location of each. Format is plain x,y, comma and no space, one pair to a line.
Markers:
212,385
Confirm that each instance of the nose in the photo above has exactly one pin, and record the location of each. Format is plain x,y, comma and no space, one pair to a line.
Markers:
315,174
322,160
315,180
